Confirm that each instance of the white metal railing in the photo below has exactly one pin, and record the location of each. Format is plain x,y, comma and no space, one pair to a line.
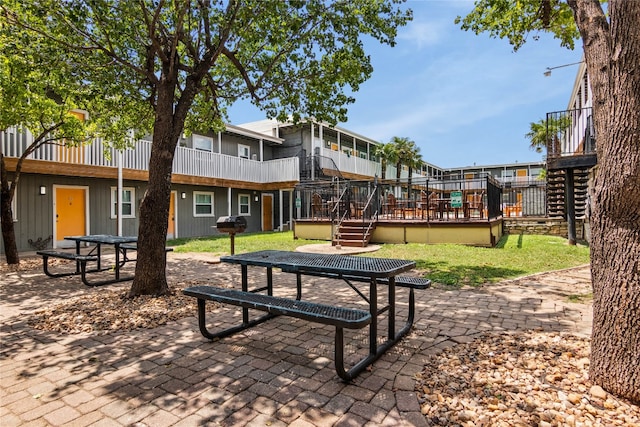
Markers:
353,164
187,161
519,180
404,174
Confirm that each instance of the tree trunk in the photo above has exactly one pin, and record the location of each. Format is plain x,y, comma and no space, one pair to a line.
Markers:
6,217
612,54
150,277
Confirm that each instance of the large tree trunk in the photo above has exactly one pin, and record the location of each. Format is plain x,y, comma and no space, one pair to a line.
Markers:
612,53
6,217
150,277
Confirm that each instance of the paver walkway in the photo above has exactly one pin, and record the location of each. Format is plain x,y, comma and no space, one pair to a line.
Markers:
279,373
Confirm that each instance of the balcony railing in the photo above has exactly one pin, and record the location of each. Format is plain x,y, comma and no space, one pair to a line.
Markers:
570,133
353,164
187,161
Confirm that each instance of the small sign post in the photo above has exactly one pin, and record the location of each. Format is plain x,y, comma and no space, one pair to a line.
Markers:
456,199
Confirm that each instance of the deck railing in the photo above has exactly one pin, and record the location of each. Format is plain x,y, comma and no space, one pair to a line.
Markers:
570,133
423,200
187,161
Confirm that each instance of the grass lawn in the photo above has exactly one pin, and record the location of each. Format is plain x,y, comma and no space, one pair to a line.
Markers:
453,265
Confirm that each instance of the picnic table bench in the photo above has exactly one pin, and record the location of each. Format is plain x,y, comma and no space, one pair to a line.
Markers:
120,244
339,317
375,271
133,247
81,262
94,255
411,282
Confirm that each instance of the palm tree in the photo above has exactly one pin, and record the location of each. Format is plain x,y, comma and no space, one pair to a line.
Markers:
411,158
408,154
387,154
402,148
545,131
414,162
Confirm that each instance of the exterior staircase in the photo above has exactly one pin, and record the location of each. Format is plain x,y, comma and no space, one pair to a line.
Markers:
354,233
556,192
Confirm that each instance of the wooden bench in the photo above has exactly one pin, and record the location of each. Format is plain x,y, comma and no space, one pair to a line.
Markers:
81,262
339,317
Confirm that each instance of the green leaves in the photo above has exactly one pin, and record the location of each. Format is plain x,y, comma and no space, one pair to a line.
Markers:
516,20
292,59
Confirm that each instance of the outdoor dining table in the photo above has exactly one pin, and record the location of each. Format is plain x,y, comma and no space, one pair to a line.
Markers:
376,271
100,240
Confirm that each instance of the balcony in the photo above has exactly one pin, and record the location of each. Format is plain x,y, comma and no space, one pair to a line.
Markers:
348,164
571,139
187,161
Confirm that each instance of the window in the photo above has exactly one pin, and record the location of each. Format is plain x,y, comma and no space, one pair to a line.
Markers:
243,151
128,196
244,204
202,204
204,143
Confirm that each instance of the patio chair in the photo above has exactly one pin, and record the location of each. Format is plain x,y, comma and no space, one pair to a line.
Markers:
318,207
392,205
476,206
433,205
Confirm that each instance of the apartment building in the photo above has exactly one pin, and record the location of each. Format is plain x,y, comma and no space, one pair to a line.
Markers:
73,191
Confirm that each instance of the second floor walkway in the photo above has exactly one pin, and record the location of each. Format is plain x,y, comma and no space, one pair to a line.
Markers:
187,161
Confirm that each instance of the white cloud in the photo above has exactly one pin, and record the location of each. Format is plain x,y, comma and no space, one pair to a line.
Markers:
423,34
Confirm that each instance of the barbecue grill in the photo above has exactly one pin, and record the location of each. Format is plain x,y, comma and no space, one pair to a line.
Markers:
232,224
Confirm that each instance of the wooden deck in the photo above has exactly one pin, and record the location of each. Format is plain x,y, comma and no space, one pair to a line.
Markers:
469,231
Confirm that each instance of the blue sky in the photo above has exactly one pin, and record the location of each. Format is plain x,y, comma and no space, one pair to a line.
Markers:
464,99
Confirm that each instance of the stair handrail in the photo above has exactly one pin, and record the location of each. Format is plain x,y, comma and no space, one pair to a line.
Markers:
322,162
336,209
372,218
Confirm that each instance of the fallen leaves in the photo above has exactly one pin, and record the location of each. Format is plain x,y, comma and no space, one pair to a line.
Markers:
111,310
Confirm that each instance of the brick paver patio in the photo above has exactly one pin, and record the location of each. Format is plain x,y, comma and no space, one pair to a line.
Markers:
279,373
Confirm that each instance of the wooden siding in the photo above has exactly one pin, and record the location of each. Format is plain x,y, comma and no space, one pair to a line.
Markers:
35,212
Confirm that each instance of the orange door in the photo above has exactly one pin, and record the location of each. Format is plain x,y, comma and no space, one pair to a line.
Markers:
70,212
267,212
171,228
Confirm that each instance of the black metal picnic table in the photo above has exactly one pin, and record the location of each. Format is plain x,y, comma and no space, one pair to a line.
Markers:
375,271
105,239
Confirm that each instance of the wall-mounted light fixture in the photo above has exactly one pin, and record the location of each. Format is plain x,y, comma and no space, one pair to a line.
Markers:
255,196
183,195
547,73
43,190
